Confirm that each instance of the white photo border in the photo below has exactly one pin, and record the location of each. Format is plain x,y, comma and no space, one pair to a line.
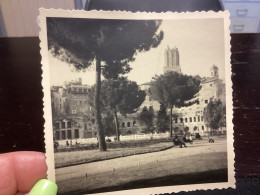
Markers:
44,13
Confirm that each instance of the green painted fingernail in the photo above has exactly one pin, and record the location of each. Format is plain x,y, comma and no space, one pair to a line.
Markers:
44,187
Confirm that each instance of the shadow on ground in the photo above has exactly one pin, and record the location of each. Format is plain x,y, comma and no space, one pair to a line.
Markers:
213,176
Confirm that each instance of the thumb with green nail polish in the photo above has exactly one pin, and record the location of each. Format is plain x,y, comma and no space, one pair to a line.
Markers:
44,187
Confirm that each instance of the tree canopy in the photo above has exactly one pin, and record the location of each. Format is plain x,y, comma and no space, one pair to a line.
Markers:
110,44
174,89
215,114
147,117
81,41
122,96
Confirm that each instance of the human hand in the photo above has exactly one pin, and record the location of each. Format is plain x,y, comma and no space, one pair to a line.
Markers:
19,171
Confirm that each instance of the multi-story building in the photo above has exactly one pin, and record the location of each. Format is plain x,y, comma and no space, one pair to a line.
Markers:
73,117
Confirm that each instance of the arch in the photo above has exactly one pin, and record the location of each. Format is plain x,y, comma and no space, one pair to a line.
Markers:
123,124
69,124
129,132
76,133
195,128
57,135
186,129
128,124
176,129
186,120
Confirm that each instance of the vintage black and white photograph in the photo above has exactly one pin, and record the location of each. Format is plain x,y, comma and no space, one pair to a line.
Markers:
135,101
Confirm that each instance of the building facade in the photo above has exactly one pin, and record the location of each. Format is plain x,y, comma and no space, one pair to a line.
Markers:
73,117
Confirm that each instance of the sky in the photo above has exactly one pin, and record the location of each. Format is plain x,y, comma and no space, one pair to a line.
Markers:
200,43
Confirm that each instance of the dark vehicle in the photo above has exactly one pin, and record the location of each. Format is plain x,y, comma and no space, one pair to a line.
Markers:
197,136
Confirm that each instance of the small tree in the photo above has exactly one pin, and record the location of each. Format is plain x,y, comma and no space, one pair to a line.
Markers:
108,124
214,115
147,117
121,96
173,90
162,123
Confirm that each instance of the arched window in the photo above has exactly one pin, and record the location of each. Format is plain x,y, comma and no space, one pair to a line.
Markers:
57,135
128,124
195,128
181,120
201,118
69,124
123,124
176,120
202,127
186,120
190,119
198,118
134,123
194,119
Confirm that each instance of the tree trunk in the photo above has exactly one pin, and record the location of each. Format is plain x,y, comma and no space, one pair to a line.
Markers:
101,135
117,127
171,122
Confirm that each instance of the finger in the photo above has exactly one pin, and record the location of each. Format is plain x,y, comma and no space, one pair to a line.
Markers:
24,170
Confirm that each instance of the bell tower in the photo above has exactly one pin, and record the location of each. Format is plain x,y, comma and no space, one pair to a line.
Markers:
214,71
171,60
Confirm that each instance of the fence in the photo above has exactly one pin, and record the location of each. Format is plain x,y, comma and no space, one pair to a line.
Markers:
113,138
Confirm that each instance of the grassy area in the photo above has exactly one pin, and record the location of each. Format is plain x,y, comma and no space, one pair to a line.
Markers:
64,159
201,168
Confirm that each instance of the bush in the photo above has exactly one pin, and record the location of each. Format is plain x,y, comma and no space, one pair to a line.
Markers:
122,144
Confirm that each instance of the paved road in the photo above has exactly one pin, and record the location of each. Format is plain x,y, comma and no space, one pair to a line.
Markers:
137,166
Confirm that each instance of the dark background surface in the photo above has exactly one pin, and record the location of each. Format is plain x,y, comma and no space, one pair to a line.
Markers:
21,105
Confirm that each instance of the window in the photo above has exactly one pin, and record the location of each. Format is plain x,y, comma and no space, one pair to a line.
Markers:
123,124
76,133
186,120
63,125
134,123
85,126
63,135
181,120
201,118
194,119
202,127
69,134
190,119
210,85
57,135
80,90
198,118
206,101
69,124
176,120
128,124
57,125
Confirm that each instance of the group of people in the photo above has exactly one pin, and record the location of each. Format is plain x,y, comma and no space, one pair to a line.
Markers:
182,140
